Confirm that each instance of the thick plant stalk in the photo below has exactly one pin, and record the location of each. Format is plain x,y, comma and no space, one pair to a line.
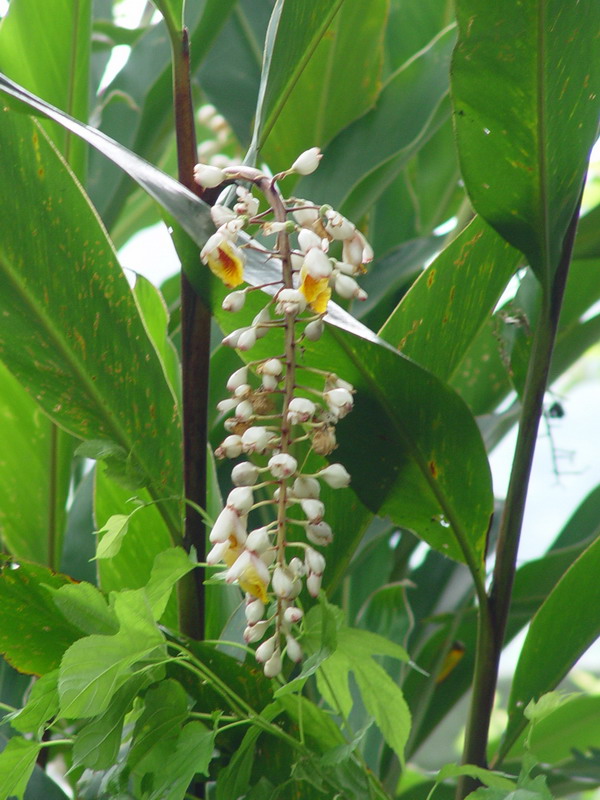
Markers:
195,355
493,615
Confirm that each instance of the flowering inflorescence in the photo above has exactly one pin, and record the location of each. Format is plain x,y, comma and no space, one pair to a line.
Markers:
270,420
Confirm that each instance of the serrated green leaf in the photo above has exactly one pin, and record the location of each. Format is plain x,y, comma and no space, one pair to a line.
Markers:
526,92
42,705
169,566
193,754
95,667
97,744
33,633
165,711
17,761
111,535
84,606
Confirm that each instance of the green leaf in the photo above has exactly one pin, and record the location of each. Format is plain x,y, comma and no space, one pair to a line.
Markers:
294,31
84,606
452,299
339,82
17,761
193,754
169,566
35,473
111,535
412,94
172,11
97,744
526,92
488,777
42,705
90,364
554,643
165,711
56,39
33,633
95,667
147,536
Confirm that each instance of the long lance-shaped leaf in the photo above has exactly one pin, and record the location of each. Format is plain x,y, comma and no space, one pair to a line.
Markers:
408,431
70,329
526,91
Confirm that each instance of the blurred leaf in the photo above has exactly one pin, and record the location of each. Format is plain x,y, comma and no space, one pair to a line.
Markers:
486,776
91,365
79,542
526,91
33,633
56,37
97,744
587,240
165,711
17,761
338,83
42,705
583,524
193,754
95,667
411,26
412,94
35,472
172,11
554,643
168,567
451,300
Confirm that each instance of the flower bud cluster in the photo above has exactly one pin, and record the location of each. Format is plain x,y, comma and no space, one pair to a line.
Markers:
269,412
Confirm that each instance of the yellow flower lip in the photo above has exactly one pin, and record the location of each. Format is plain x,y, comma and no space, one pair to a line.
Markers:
316,291
224,259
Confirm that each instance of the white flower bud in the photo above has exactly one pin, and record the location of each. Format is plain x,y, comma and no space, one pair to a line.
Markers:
244,410
348,288
258,540
272,667
319,534
307,162
308,239
352,251
282,466
231,447
342,384
240,499
246,339
300,410
290,302
292,615
293,650
315,562
254,633
296,260
306,487
232,339
313,584
314,330
215,555
314,510
266,649
337,226
242,391
234,301
297,567
317,264
256,440
268,557
244,474
270,228
254,611
335,475
340,402
272,367
269,382
248,204
223,406
285,584
207,176
347,269
305,216
247,561
231,424
221,215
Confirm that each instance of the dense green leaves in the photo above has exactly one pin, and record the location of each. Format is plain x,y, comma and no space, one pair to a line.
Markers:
17,761
526,92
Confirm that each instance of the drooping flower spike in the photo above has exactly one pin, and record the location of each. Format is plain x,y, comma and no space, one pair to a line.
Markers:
270,412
